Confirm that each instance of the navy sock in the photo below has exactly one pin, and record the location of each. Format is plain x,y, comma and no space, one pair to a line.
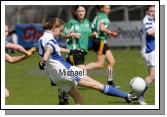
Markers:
109,90
142,94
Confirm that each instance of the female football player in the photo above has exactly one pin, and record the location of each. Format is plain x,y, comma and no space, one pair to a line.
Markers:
100,25
77,31
148,47
14,46
64,74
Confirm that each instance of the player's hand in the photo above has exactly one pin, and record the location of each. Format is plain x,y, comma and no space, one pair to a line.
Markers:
72,52
78,52
30,52
95,34
81,52
42,64
76,35
114,34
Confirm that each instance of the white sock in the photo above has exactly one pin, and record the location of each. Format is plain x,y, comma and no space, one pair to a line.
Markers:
110,74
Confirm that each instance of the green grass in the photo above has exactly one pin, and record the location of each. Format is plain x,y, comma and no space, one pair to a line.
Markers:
29,86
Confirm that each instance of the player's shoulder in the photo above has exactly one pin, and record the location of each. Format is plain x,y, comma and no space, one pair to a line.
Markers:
86,20
101,15
72,21
147,19
48,35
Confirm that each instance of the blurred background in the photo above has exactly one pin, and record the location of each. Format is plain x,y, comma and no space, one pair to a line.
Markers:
25,22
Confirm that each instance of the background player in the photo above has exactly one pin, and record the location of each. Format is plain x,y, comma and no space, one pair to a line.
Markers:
100,25
14,46
15,59
77,31
148,47
53,63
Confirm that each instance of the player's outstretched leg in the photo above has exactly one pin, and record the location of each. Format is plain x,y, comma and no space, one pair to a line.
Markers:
6,93
87,81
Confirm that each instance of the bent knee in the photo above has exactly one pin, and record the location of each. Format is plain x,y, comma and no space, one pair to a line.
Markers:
99,65
6,93
152,77
112,62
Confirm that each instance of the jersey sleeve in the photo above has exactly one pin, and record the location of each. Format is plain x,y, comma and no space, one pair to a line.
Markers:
103,20
53,45
68,28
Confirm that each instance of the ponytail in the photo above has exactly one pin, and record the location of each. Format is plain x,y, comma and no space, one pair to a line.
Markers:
46,26
52,23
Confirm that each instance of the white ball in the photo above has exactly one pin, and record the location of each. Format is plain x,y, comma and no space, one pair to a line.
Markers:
137,84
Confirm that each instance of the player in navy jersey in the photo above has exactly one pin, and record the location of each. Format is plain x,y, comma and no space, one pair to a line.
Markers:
148,47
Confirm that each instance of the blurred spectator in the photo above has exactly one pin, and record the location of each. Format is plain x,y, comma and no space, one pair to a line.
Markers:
12,38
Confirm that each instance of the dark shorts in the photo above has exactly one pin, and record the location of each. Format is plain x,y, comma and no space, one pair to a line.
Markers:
99,46
75,59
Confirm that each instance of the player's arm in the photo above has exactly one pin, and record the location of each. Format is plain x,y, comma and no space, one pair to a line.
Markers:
151,31
105,30
69,31
17,47
72,34
42,63
94,34
16,59
48,52
64,50
68,51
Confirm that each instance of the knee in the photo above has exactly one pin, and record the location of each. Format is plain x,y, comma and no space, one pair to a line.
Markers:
79,100
100,65
152,76
6,93
112,62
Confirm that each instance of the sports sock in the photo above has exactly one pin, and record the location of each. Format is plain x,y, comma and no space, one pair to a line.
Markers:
142,94
110,74
110,82
109,90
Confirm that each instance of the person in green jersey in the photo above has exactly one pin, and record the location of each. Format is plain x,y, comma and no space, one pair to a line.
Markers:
15,59
77,32
100,25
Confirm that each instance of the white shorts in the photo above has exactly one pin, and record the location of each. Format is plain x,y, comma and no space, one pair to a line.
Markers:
61,76
149,59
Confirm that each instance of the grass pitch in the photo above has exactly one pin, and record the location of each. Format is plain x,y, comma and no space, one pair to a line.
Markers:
28,85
